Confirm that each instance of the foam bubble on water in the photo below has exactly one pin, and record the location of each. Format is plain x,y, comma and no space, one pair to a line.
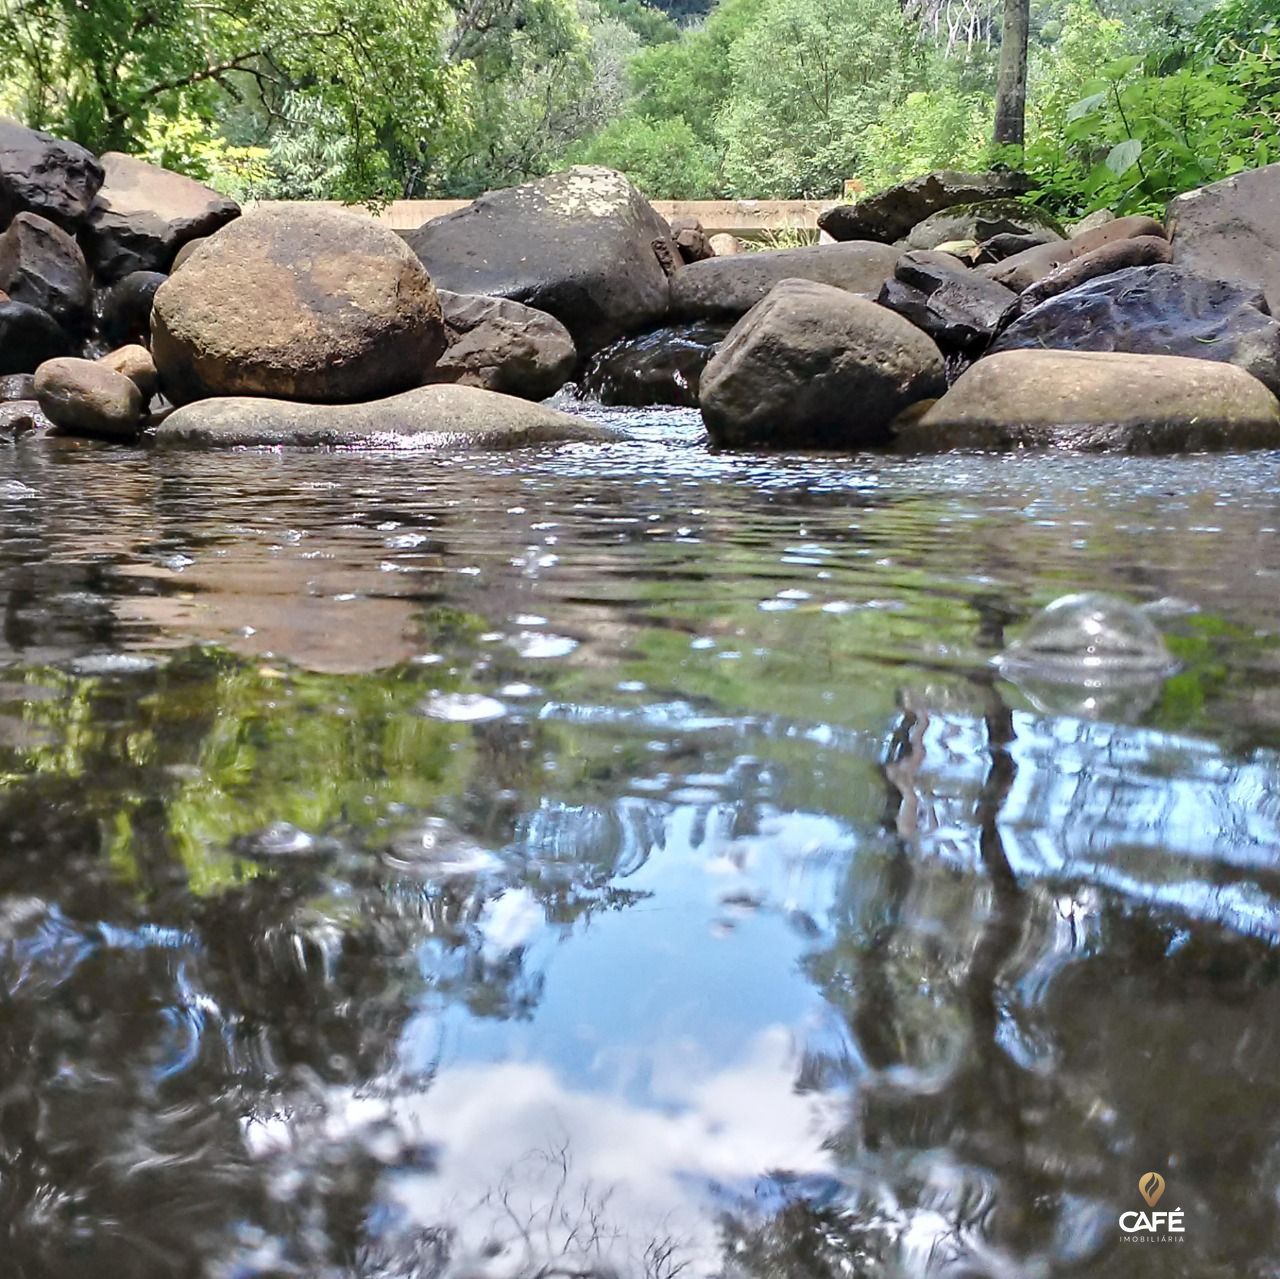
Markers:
279,839
463,708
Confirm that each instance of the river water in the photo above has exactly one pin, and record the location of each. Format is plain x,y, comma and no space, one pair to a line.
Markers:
627,861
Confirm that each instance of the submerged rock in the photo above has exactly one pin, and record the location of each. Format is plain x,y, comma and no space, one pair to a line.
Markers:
1098,402
298,302
441,417
727,288
662,367
815,367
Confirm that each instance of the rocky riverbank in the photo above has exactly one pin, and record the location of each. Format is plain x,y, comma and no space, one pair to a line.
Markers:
947,312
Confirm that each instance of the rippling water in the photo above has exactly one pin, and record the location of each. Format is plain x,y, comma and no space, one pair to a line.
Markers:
629,862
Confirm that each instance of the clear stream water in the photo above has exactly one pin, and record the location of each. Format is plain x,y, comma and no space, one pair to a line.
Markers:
628,861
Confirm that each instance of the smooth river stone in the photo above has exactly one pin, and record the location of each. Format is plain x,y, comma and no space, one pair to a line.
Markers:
444,417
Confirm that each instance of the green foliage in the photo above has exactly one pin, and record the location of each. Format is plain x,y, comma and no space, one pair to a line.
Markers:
1128,131
664,158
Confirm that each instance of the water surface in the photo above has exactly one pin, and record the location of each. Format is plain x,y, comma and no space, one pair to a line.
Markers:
628,861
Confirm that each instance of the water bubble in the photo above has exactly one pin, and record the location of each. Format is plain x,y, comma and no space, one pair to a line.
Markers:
439,847
279,840
1089,655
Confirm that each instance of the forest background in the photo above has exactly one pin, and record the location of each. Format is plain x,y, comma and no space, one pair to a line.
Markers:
372,100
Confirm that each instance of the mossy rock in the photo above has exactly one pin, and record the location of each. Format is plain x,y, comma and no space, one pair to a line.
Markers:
981,222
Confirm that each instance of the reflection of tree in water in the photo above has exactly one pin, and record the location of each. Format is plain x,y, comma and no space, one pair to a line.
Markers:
1019,1067
159,988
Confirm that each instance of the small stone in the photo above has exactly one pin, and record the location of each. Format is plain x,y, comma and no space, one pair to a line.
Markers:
85,397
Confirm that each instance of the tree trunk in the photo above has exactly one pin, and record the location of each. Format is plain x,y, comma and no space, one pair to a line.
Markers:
1011,89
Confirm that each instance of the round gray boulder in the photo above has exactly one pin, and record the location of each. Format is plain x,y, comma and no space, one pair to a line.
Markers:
301,303
815,367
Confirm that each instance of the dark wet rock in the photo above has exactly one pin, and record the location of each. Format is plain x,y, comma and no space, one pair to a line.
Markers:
20,417
1024,269
890,214
136,364
662,367
1119,255
727,288
578,245
85,397
953,305
1156,310
144,214
1230,230
1004,246
126,308
44,175
691,239
442,417
981,222
17,386
816,367
1098,402
299,302
28,337
41,265
504,346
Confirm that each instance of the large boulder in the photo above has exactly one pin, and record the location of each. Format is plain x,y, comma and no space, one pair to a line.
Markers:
888,215
1231,230
83,397
727,288
1156,310
42,174
1024,269
41,265
126,307
430,417
956,307
1098,402
298,302
813,366
28,337
579,245
661,367
144,214
982,222
504,346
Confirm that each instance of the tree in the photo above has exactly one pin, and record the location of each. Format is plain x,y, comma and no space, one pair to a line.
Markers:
1011,87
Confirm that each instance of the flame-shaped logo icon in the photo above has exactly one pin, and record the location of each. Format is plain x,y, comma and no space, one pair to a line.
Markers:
1151,1187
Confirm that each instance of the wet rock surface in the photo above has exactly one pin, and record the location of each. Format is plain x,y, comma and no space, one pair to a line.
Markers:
41,265
28,337
44,175
85,397
1157,310
662,367
953,305
431,417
